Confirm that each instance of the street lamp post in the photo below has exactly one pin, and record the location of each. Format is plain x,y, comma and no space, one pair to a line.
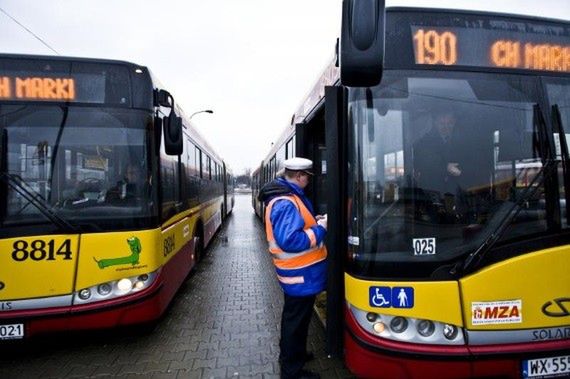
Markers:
204,111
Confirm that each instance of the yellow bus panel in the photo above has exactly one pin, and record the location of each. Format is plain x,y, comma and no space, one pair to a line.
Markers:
437,301
512,294
38,266
109,256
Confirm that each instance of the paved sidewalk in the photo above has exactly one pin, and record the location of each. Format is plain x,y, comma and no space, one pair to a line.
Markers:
224,323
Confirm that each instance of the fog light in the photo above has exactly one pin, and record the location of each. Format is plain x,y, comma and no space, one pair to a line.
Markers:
450,331
138,285
398,324
426,328
104,289
143,277
124,285
371,316
379,327
85,294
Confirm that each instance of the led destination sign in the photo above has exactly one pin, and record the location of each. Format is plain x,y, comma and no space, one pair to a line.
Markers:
454,46
38,80
37,88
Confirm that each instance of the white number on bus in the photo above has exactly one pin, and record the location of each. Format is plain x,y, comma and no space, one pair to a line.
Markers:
424,246
12,331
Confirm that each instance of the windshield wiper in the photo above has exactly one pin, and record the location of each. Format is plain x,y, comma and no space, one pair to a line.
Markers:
476,256
549,166
557,118
34,198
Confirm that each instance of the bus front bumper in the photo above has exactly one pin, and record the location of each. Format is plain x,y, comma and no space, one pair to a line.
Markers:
371,357
142,308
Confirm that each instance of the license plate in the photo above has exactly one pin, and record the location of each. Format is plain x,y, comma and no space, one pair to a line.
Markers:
11,331
550,367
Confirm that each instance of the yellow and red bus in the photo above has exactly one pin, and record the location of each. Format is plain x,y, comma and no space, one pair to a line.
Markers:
108,195
445,261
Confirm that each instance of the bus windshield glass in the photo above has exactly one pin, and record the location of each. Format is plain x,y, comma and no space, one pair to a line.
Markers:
86,165
437,161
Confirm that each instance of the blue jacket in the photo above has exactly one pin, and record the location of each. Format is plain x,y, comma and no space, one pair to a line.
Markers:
288,223
287,226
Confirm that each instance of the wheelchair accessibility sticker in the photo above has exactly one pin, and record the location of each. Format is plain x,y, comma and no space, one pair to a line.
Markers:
391,297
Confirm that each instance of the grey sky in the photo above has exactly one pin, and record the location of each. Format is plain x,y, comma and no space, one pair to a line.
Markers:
251,61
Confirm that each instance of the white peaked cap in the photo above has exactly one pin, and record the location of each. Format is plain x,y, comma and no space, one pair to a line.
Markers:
298,164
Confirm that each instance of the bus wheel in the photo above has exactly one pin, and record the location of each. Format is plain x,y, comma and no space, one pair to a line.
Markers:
198,246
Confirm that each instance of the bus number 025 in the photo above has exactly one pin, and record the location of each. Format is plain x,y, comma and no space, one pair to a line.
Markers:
435,48
39,250
424,246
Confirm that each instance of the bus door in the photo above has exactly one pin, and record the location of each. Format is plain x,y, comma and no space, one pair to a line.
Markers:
311,144
321,140
226,189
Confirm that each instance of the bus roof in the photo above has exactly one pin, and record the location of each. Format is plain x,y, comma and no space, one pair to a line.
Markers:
70,59
495,13
331,74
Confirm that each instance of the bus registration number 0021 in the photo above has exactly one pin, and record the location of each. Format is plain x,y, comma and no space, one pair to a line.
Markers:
11,331
551,367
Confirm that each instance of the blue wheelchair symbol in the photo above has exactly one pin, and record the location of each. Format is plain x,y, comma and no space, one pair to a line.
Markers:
380,297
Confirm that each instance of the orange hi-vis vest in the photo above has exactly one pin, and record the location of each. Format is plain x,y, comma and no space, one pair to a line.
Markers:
299,273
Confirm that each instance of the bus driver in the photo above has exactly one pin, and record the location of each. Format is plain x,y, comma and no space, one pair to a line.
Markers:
129,188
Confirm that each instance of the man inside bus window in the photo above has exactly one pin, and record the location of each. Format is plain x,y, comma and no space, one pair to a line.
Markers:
438,158
295,236
128,189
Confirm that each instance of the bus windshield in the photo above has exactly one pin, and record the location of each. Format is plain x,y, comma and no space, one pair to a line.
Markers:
437,161
86,165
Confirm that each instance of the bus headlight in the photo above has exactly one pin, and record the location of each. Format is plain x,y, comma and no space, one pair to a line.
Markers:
408,329
398,324
116,288
425,328
124,285
450,331
379,327
85,294
104,289
371,316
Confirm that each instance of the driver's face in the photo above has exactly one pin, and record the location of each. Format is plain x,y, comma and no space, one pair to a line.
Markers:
132,175
445,124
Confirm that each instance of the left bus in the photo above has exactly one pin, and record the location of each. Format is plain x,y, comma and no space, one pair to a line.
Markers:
108,199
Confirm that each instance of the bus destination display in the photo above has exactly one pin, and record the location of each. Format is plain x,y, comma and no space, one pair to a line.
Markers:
37,88
455,46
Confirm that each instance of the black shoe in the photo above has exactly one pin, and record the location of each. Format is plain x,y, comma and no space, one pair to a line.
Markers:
306,374
309,356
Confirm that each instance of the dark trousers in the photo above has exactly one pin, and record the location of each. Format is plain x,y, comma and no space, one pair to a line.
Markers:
295,320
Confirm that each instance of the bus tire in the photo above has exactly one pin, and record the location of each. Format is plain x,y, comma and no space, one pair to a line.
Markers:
199,244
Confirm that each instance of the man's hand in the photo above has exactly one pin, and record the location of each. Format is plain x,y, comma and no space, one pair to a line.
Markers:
322,220
453,169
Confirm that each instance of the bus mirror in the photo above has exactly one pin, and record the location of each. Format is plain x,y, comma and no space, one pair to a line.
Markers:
162,98
173,142
362,42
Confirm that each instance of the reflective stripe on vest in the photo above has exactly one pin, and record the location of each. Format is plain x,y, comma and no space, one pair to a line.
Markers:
285,260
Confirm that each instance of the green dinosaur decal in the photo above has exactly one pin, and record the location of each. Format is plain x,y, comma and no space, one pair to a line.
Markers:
134,245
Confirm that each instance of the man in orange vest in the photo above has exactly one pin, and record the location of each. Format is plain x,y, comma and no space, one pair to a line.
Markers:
295,236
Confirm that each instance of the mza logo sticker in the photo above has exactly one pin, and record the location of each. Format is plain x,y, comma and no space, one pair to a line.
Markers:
496,312
391,297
